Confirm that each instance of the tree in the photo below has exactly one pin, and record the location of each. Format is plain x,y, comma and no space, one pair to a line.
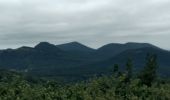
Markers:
148,75
129,73
116,68
116,72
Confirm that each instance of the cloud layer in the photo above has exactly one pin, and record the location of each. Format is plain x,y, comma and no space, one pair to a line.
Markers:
92,22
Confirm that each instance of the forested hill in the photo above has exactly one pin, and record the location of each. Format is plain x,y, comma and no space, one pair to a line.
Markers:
77,61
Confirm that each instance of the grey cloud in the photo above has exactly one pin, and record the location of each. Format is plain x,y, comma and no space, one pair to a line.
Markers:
92,22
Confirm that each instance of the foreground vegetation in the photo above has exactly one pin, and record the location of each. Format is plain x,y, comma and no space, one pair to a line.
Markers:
118,86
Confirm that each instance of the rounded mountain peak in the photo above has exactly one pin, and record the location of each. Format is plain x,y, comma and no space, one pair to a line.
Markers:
45,46
74,46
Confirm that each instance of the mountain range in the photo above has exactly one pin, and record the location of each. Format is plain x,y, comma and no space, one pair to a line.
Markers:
76,61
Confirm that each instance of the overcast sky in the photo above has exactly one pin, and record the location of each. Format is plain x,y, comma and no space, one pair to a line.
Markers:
91,22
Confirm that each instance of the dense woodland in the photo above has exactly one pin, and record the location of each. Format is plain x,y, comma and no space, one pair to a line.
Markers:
121,85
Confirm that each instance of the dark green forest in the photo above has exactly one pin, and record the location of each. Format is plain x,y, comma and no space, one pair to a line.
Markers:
120,85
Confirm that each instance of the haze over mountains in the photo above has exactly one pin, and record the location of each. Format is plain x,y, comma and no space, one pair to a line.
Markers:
77,61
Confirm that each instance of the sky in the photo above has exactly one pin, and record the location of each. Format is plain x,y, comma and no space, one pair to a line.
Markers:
91,22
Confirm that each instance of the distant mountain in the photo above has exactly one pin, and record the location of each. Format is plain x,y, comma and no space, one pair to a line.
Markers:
75,46
113,49
79,50
139,59
42,56
76,61
47,47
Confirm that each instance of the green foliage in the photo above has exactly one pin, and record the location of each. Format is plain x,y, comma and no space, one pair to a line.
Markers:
14,86
116,68
129,67
101,88
148,75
